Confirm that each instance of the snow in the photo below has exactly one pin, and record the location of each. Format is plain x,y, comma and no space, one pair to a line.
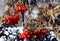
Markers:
35,12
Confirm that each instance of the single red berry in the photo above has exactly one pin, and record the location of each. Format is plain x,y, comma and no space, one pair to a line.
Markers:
9,21
17,9
24,35
28,36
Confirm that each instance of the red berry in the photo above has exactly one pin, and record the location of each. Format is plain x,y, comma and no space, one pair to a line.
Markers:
23,8
28,36
9,18
17,17
26,32
31,33
17,9
20,36
5,19
13,25
9,21
24,35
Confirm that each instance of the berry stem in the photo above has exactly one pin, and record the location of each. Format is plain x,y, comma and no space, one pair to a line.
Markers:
23,19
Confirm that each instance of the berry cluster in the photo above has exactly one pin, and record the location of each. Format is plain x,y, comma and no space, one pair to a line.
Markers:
29,34
13,20
26,34
41,33
18,8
